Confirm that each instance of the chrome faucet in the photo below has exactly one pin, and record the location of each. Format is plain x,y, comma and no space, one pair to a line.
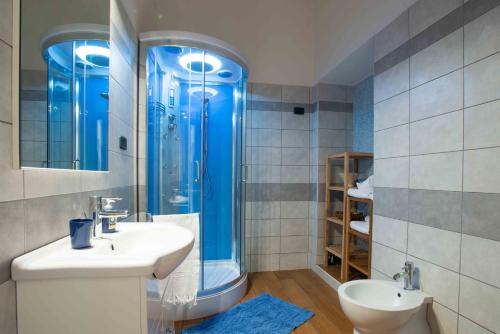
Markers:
98,210
408,275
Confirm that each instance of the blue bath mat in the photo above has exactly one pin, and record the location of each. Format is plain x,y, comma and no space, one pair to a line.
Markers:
262,314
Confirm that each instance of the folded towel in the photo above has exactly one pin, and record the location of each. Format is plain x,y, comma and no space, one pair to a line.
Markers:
360,226
367,219
181,286
355,192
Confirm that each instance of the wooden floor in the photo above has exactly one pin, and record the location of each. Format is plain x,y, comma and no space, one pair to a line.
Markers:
305,289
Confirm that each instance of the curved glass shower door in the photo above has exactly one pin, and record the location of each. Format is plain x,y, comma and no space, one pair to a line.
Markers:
194,144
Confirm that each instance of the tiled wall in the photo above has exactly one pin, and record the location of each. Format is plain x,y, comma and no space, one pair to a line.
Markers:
278,190
35,204
362,101
331,132
437,150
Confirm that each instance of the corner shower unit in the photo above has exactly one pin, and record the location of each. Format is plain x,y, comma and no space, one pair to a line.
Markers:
195,112
77,58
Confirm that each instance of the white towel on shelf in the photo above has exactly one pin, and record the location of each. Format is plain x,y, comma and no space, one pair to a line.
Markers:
360,226
181,286
355,192
364,189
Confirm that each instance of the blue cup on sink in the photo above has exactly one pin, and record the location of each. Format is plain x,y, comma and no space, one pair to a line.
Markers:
80,230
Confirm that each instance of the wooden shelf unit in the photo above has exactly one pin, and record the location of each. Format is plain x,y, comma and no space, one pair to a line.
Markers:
338,250
359,259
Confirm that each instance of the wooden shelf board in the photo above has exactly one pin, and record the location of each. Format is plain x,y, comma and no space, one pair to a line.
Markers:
336,187
358,234
333,270
352,155
357,199
335,250
360,265
335,220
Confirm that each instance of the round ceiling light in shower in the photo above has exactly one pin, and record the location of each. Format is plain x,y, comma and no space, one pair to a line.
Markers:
94,55
194,62
198,91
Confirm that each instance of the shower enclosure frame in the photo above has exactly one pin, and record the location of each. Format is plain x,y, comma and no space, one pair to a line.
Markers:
228,293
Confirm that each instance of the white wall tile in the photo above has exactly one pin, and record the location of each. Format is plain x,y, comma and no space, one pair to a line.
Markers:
296,209
297,227
332,120
265,155
440,283
437,97
391,37
481,170
262,228
5,79
442,319
11,181
295,174
294,138
479,259
479,302
294,122
266,137
8,307
46,182
482,125
482,81
264,245
392,112
442,133
391,82
265,173
424,13
293,261
393,142
440,58
265,210
441,171
262,262
262,119
434,245
390,232
465,326
294,244
482,36
392,172
387,260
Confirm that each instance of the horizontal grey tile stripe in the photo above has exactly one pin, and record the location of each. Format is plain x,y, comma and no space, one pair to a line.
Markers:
391,202
278,106
475,8
481,216
439,209
440,29
33,95
266,192
318,192
333,106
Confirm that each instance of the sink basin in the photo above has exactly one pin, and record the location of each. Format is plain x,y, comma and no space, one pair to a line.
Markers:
376,306
137,249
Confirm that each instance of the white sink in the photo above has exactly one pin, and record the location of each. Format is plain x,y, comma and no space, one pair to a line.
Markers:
140,249
379,307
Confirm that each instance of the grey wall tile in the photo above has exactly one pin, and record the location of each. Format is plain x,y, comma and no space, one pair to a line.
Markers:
261,192
392,112
439,209
437,134
442,171
391,202
480,215
392,142
329,92
5,78
6,21
295,94
11,235
482,81
265,92
482,36
481,172
392,36
295,192
434,245
482,125
426,12
440,58
479,259
392,172
479,302
436,97
50,223
392,82
8,307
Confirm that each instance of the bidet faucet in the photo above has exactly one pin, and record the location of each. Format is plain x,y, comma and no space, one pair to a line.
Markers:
408,275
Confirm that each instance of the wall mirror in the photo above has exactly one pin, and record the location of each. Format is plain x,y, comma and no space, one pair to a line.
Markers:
64,84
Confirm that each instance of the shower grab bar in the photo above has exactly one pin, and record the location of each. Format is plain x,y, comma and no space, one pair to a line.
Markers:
197,179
